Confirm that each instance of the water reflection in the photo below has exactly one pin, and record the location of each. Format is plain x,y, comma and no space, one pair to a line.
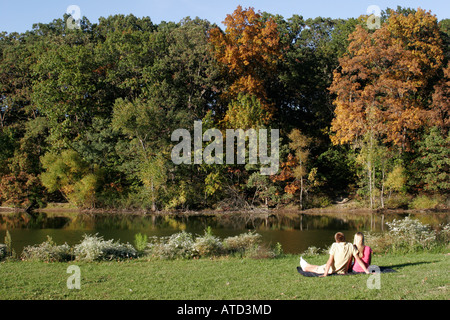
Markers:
296,232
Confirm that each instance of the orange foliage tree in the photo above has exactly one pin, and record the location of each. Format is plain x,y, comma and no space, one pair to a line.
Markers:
441,101
249,50
385,82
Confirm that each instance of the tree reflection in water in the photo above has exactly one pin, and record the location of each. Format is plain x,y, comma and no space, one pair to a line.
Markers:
295,231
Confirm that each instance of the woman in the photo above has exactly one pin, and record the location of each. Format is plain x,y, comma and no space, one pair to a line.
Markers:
364,252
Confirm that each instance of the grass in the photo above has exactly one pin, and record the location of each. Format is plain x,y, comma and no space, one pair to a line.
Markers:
420,276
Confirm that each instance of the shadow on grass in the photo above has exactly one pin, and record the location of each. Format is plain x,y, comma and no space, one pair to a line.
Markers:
382,269
411,264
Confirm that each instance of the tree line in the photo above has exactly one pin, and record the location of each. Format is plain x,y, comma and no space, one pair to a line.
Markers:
86,114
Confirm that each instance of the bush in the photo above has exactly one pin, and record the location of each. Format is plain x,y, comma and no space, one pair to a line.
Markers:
3,251
94,248
396,201
242,242
311,251
208,244
408,235
184,245
178,245
424,202
48,251
319,202
264,252
140,242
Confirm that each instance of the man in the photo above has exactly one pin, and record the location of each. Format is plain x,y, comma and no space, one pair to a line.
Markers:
341,254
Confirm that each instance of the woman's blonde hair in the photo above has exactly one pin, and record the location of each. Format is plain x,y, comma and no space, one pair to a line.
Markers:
358,241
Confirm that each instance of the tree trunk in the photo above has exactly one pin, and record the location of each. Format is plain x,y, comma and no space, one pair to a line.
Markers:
153,197
301,193
382,188
369,173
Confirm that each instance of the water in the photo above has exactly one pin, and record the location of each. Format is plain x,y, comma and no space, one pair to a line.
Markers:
295,232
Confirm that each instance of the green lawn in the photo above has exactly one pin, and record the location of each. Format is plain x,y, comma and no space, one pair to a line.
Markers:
419,276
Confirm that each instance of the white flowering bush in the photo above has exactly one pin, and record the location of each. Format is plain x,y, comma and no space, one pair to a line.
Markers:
408,235
184,245
48,251
208,245
94,248
178,245
242,242
311,251
444,234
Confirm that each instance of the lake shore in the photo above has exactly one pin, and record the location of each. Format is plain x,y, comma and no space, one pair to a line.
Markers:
336,209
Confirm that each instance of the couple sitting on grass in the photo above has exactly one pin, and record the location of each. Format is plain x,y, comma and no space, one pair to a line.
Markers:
342,254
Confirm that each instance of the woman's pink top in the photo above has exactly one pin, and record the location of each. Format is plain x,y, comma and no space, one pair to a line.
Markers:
366,259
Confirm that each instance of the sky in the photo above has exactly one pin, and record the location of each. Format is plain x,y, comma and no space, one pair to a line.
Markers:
20,15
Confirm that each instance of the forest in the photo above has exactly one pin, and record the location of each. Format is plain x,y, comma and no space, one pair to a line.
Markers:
87,114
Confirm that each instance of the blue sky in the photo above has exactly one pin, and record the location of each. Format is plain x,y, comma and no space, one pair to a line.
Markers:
19,15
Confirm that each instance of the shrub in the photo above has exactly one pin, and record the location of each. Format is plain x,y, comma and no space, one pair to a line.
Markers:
311,251
242,242
208,244
8,250
319,202
184,245
140,242
264,252
178,245
3,251
93,248
424,202
408,235
396,201
48,251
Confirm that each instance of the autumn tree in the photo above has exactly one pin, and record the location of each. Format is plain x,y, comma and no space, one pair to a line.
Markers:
441,102
296,171
249,50
384,89
383,84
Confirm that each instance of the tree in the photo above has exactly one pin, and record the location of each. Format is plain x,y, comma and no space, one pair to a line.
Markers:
185,75
441,102
153,175
245,112
265,190
434,162
249,50
396,179
67,173
385,82
373,158
297,166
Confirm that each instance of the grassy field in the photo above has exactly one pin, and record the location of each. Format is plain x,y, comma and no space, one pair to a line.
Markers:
419,276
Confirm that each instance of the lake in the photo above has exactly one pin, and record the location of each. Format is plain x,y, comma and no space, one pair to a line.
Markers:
295,232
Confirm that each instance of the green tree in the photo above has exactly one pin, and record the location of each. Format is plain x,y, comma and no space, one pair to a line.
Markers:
434,161
69,174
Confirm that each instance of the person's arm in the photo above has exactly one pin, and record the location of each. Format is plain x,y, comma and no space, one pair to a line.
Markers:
328,266
361,263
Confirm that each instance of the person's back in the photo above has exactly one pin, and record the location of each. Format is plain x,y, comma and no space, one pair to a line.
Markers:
366,258
343,253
